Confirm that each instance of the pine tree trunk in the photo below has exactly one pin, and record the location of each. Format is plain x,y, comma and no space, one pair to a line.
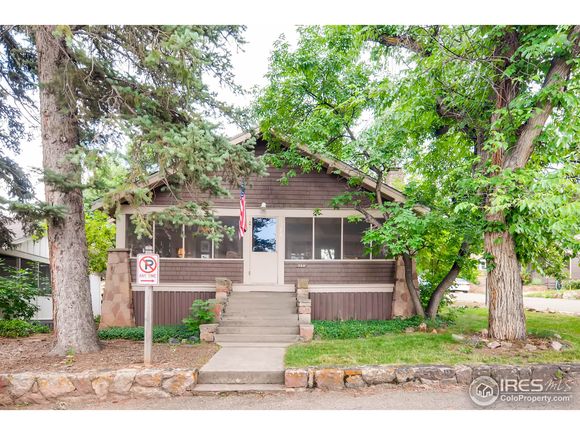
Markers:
73,313
507,319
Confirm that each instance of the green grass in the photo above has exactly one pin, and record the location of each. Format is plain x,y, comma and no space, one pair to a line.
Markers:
426,348
161,334
553,294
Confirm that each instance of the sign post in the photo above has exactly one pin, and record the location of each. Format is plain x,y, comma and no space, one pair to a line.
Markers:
148,275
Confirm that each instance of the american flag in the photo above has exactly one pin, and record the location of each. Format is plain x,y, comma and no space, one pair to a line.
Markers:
243,226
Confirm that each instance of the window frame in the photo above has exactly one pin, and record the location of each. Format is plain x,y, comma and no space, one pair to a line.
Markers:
314,259
212,246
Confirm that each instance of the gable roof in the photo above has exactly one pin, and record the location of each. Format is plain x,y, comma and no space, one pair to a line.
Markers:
332,165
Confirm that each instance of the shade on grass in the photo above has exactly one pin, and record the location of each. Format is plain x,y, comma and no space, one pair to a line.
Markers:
426,348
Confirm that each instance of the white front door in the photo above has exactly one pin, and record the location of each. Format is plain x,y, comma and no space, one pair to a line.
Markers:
263,267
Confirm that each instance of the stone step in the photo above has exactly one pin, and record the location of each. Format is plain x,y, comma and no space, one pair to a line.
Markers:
256,312
257,338
262,304
258,330
270,345
240,377
250,296
259,322
257,316
237,388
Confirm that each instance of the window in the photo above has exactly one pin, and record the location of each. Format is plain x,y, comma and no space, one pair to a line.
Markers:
168,240
352,235
196,244
44,277
229,248
134,244
263,235
327,238
299,238
6,262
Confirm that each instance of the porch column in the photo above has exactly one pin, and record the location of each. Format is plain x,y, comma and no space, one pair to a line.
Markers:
402,303
117,307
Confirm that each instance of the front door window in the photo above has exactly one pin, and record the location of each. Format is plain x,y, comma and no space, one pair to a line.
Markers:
263,234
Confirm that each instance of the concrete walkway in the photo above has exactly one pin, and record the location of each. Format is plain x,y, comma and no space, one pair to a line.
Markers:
244,364
566,306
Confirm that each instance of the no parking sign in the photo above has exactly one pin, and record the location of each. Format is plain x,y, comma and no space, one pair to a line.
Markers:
148,269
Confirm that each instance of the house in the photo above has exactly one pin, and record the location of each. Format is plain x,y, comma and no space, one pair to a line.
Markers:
32,254
293,235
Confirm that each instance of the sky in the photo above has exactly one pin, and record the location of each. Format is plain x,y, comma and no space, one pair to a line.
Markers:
249,66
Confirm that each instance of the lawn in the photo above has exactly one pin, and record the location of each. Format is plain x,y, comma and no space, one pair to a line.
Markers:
441,348
555,294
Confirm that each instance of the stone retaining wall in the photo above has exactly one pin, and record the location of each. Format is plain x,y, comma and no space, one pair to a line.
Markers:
29,388
358,377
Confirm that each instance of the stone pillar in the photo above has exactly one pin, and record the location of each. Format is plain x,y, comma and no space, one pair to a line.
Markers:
223,288
303,302
402,305
117,307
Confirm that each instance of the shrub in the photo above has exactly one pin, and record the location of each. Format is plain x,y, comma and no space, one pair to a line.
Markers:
20,328
345,329
200,313
18,288
572,284
161,333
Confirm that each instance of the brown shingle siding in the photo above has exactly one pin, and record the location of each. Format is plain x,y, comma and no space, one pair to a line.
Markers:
340,272
351,305
196,270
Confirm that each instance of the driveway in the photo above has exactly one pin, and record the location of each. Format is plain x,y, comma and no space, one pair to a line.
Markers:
373,398
568,306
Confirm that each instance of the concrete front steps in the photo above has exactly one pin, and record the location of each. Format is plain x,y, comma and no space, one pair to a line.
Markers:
259,317
253,333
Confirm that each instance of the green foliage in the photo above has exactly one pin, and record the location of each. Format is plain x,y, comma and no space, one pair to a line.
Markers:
20,328
423,98
18,288
200,313
142,99
346,329
161,334
572,284
100,238
441,348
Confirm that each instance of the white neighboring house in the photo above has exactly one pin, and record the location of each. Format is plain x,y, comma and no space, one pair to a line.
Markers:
33,255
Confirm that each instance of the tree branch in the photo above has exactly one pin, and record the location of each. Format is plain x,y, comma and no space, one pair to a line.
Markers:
446,282
558,74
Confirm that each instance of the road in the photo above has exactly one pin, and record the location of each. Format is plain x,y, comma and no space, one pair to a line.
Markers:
381,397
568,306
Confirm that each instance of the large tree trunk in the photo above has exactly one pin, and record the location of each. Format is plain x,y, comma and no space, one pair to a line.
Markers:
507,320
73,314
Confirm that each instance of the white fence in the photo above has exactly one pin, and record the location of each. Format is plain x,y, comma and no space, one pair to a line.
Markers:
44,303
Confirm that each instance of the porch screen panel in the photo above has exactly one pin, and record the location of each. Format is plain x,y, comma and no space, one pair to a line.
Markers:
196,244
352,244
298,238
133,243
168,240
327,238
229,248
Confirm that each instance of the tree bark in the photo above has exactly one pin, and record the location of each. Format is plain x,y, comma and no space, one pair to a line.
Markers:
507,320
413,291
73,313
